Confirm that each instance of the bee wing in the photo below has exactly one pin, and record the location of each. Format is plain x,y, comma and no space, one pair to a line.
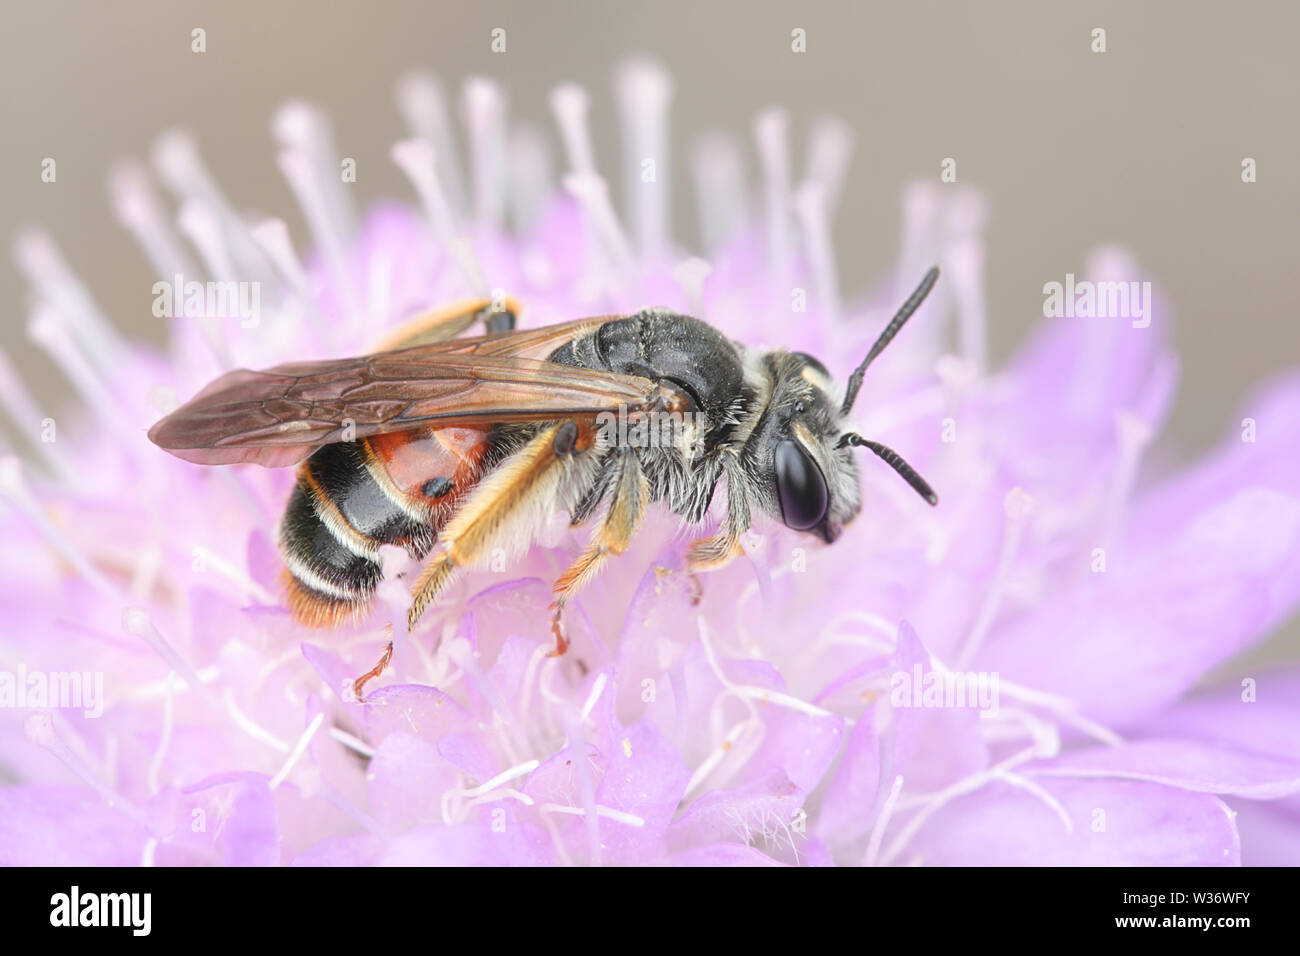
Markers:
281,415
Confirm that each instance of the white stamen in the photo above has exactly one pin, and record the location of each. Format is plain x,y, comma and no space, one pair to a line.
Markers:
690,275
462,251
530,178
313,198
830,146
349,809
26,416
249,726
176,158
488,791
1018,505
1024,783
1064,710
597,688
14,488
40,261
752,725
40,730
272,237
644,90
569,104
592,194
305,129
299,748
933,803
619,816
966,267
47,328
1134,435
355,744
138,623
881,822
1090,388
460,651
144,575
772,134
141,213
920,213
586,785
233,573
165,737
416,158
810,206
721,195
485,118
202,227
423,103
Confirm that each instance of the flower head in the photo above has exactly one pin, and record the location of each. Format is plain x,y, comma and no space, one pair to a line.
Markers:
1009,678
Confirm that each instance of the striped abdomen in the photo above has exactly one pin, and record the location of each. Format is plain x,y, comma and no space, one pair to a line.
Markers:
353,497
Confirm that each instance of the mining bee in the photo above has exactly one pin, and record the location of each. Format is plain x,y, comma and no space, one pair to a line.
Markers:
473,443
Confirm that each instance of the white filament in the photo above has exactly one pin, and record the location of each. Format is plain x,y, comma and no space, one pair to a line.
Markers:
721,195
485,118
142,214
417,159
41,263
423,103
810,206
644,90
772,135
569,104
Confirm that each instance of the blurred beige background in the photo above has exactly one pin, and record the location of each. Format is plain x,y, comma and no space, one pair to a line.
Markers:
1142,144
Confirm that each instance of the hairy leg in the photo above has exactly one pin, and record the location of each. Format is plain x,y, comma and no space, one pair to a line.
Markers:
447,322
631,493
506,509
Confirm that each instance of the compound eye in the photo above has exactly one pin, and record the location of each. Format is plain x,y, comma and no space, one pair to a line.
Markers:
800,488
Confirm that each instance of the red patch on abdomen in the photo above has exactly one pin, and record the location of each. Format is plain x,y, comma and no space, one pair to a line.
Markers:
414,458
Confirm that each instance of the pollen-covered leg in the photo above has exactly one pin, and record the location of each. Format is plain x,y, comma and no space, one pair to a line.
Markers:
444,323
507,509
626,509
719,550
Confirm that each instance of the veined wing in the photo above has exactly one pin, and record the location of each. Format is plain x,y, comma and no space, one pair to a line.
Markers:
279,416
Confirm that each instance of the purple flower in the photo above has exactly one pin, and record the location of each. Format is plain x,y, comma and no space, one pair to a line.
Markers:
1014,677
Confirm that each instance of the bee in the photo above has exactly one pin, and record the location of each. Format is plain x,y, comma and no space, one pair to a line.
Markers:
470,444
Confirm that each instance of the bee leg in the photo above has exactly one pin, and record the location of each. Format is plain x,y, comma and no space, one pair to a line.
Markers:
514,500
359,684
627,504
717,551
696,588
443,323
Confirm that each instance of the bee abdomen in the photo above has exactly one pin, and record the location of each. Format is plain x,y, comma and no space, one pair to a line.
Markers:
337,518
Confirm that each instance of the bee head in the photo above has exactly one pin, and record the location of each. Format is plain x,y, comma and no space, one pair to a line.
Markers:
800,446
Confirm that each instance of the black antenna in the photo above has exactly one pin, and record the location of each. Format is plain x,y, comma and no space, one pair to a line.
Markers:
894,460
911,305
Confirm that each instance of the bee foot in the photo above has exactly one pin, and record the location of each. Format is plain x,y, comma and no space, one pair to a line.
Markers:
359,685
557,631
694,587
